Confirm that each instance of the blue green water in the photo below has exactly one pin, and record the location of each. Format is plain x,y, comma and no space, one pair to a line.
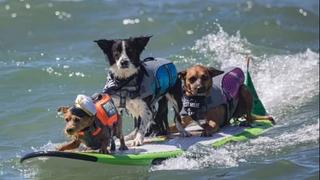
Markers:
47,57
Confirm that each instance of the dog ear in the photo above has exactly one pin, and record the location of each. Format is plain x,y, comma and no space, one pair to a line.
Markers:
140,42
106,46
182,75
214,72
63,109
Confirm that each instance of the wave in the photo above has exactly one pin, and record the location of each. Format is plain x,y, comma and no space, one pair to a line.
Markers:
232,155
281,80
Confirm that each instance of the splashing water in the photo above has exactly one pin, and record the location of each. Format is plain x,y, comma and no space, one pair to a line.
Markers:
232,155
288,80
280,80
224,49
47,147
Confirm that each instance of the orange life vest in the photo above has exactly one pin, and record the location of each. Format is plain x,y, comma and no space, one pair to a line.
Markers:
106,115
106,111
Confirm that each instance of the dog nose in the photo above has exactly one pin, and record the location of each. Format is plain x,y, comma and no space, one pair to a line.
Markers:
69,130
201,89
124,63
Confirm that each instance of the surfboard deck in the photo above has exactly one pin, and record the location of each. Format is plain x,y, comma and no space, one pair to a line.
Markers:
160,148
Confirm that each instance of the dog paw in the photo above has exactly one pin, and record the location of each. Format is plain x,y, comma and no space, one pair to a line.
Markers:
272,120
138,141
123,148
206,134
104,151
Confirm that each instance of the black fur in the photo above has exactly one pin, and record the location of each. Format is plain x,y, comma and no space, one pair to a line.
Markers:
113,48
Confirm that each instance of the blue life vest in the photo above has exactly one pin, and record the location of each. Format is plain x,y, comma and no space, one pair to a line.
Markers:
161,76
156,76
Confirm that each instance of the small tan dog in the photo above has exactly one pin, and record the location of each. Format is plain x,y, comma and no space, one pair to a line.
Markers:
212,97
92,123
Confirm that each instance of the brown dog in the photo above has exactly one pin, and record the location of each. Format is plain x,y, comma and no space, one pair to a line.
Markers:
95,128
212,97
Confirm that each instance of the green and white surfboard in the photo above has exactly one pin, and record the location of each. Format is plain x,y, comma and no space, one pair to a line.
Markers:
157,149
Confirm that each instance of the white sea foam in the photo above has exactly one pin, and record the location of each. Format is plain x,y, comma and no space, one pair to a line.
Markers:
130,21
287,80
223,49
47,147
281,80
232,155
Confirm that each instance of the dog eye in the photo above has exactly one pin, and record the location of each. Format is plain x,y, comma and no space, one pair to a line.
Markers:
66,119
192,79
76,120
204,78
129,50
116,54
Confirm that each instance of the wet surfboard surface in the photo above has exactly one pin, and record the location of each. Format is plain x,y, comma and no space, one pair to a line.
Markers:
160,148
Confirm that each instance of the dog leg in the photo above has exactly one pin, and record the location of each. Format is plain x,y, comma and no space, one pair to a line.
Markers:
146,120
245,104
263,118
178,127
160,125
113,145
123,146
72,145
119,135
247,99
140,110
209,128
104,146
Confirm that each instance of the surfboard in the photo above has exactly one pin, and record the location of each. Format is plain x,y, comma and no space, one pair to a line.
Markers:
156,149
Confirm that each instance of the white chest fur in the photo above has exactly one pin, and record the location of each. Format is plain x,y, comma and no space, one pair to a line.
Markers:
136,107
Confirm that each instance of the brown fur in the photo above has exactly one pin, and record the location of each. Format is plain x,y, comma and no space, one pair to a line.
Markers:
198,80
75,124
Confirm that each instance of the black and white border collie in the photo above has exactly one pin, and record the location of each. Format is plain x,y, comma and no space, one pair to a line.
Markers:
126,71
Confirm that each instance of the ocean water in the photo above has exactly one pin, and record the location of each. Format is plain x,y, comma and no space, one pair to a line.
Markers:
47,57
